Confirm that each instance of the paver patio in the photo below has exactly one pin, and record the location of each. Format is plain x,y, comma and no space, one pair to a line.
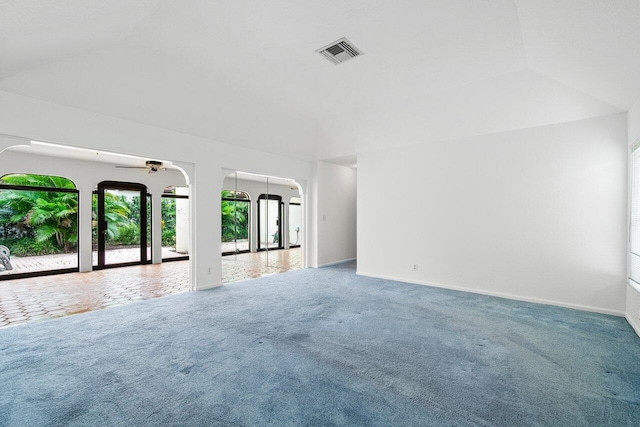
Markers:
32,264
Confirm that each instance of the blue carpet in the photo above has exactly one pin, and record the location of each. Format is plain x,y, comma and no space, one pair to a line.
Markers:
322,347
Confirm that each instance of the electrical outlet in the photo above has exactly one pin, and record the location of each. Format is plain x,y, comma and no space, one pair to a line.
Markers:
209,270
415,267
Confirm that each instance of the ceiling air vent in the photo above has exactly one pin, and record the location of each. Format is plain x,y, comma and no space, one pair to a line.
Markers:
340,51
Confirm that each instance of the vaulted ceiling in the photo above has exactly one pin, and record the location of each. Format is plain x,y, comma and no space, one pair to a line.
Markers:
246,72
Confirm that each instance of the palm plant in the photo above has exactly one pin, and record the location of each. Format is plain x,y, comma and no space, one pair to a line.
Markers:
234,218
55,217
31,180
51,215
116,213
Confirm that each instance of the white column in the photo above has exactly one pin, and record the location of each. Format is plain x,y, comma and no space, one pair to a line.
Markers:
206,262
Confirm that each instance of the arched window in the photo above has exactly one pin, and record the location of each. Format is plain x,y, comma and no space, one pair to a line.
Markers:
32,180
38,225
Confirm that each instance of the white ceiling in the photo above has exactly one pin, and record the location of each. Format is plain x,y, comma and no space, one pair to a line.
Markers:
246,72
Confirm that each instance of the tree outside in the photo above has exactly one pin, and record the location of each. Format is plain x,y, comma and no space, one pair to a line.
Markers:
168,221
235,218
122,215
36,221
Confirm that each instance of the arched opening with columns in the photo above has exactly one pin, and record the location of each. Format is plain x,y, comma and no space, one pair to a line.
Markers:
109,210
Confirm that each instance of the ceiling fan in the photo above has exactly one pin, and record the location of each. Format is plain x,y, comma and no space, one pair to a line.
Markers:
152,165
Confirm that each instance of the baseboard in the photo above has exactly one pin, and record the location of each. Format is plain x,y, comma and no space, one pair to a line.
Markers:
331,264
209,286
634,324
631,317
499,294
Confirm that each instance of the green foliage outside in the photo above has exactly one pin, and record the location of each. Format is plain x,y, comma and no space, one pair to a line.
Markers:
27,246
168,222
122,228
235,217
123,220
37,222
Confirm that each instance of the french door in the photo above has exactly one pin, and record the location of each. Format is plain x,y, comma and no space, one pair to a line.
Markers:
123,224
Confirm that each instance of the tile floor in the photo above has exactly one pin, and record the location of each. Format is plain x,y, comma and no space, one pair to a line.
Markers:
46,297
252,265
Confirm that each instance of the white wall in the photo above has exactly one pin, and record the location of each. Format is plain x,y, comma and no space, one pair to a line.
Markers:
44,121
632,311
536,214
333,222
633,122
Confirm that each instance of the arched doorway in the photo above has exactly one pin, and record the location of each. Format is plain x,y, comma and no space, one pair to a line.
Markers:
44,297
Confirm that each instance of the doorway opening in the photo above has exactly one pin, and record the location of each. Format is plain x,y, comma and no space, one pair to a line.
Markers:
58,231
269,222
175,223
236,226
122,224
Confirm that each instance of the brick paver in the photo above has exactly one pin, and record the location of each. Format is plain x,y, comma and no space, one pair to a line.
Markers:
31,264
46,297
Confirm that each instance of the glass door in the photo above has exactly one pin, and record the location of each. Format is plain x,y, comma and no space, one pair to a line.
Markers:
235,222
269,222
123,220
